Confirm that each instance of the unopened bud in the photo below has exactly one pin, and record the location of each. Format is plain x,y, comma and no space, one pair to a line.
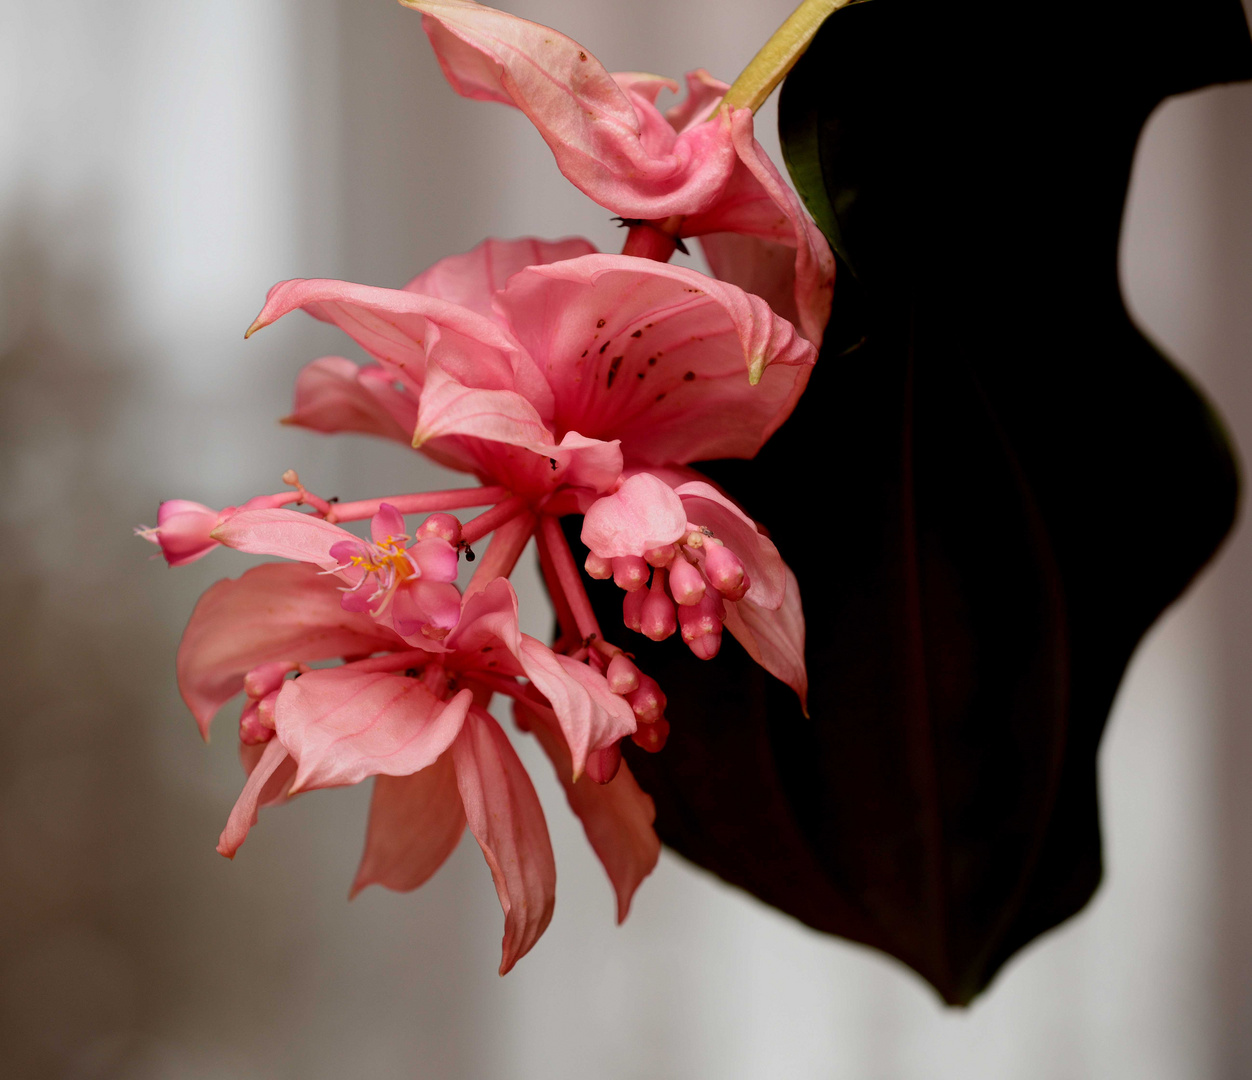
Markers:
686,583
725,572
440,526
656,619
266,678
702,626
660,556
598,568
602,765
630,572
632,609
622,675
648,701
251,731
652,737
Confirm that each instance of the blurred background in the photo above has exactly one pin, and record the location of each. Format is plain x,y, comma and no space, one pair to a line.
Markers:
161,165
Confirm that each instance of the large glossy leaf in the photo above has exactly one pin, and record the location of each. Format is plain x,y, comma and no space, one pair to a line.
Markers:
987,502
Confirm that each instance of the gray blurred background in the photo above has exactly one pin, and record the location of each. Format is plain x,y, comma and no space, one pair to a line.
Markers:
161,165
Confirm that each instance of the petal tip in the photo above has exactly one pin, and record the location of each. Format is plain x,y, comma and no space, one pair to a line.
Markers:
756,368
258,324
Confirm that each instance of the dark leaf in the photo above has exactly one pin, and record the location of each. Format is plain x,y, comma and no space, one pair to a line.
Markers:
987,504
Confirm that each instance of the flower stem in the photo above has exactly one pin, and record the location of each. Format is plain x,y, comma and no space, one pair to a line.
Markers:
567,577
490,520
425,502
503,552
778,55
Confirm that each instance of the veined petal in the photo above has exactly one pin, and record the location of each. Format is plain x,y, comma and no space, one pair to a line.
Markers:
589,463
488,617
677,365
288,534
774,638
275,767
506,819
415,823
644,513
331,395
449,407
590,123
617,817
280,611
472,279
342,725
590,714
424,612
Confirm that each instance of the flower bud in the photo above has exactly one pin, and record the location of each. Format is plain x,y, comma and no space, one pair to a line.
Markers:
602,765
702,626
656,619
630,572
632,610
444,526
652,737
598,568
622,675
251,731
686,582
725,572
266,678
648,701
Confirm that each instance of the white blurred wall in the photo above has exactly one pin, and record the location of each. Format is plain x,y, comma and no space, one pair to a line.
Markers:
160,166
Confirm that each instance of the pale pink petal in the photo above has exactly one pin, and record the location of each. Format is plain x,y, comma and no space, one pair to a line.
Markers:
449,407
331,396
590,123
678,366
774,638
183,530
589,463
243,816
288,534
705,505
342,725
617,817
471,280
758,202
423,612
488,620
279,611
644,513
387,524
415,823
436,559
506,819
704,94
761,267
590,714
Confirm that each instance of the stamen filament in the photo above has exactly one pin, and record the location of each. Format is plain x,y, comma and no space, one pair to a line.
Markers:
490,520
779,54
568,579
420,503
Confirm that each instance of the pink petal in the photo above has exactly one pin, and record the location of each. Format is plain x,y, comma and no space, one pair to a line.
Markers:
589,463
342,725
183,530
591,125
644,513
387,524
757,202
288,534
273,769
506,819
278,611
436,559
707,506
662,357
423,612
449,407
704,94
415,823
617,817
774,639
471,280
590,714
332,396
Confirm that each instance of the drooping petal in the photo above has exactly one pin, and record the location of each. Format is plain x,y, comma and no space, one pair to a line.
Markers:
705,505
448,407
279,611
758,203
589,463
472,279
488,618
774,638
644,513
333,394
678,366
342,726
506,819
273,768
288,534
617,817
590,123
590,714
415,823
704,94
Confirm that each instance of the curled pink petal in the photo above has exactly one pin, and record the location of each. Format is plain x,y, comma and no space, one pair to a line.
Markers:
774,638
643,513
424,612
640,169
506,819
387,524
279,612
342,725
273,770
415,823
334,394
449,407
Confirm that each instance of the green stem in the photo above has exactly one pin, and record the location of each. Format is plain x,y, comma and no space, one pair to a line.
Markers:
778,55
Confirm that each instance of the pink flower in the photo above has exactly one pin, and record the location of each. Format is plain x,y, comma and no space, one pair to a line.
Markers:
415,720
613,142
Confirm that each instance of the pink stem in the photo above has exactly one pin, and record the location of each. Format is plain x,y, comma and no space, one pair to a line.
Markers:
490,520
503,552
565,616
653,239
422,503
567,577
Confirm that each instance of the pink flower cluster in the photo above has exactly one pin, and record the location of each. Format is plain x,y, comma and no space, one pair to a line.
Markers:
566,382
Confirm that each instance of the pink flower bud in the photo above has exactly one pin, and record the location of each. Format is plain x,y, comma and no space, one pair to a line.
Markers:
686,583
598,568
266,678
251,731
725,572
652,737
602,765
183,529
630,572
648,701
660,556
702,626
622,675
657,620
632,610
265,710
443,526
